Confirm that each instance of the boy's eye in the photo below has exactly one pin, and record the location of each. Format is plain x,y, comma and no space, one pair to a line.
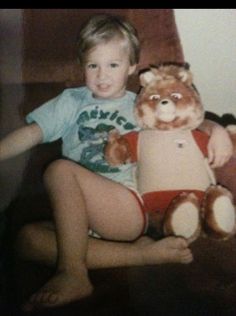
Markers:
176,95
114,65
91,66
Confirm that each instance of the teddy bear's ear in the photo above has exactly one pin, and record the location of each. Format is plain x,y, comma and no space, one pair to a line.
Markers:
185,76
146,77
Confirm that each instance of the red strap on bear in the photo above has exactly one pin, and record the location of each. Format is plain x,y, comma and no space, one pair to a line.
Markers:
132,139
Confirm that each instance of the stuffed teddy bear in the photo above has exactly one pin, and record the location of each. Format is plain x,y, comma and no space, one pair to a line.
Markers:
173,177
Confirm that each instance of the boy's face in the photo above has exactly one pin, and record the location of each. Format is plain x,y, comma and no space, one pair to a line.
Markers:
107,69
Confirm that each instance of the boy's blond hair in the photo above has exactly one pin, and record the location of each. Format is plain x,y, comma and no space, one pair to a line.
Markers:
102,28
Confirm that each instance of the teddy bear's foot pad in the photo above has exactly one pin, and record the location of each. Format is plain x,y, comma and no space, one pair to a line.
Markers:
224,213
183,218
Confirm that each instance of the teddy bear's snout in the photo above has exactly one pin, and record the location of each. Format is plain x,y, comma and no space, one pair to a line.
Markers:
166,105
166,110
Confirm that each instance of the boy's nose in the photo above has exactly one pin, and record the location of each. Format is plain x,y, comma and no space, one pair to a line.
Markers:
101,73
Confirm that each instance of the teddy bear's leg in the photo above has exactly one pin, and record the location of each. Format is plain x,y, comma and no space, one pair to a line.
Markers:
183,217
218,212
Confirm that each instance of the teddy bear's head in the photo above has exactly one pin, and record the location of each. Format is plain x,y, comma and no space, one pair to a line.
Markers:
168,99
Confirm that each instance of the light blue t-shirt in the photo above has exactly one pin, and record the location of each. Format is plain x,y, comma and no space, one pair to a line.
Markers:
83,123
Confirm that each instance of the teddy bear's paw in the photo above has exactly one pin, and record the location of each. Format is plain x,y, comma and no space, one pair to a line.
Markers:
113,135
116,151
182,217
231,129
219,213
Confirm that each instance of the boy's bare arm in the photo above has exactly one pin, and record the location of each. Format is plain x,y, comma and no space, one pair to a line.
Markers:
207,126
20,140
220,147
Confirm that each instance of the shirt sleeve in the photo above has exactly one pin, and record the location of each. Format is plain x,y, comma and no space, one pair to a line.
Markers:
55,116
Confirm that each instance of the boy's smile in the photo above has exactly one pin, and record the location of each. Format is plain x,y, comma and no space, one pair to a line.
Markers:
103,87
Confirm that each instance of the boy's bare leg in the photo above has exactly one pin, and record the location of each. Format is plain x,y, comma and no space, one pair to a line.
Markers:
37,242
82,199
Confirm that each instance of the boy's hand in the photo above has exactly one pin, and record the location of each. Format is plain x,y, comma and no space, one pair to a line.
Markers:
220,147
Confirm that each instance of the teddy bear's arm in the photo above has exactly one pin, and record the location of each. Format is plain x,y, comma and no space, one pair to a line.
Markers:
202,140
232,133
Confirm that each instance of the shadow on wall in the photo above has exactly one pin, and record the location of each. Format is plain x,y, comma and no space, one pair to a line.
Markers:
11,171
11,97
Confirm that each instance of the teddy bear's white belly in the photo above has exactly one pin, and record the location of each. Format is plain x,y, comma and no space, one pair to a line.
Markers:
170,160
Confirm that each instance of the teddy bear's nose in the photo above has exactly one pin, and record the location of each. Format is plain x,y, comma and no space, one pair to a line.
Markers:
164,102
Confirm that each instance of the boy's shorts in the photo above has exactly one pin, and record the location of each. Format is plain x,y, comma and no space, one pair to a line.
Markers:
93,234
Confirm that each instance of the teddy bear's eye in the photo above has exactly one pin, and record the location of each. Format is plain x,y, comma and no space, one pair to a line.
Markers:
155,97
176,95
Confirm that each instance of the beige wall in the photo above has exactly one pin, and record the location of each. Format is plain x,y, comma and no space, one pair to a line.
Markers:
208,38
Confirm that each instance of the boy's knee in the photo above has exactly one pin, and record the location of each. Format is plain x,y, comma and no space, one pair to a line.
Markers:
57,168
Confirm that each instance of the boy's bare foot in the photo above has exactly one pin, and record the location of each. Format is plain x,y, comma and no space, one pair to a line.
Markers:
167,250
63,288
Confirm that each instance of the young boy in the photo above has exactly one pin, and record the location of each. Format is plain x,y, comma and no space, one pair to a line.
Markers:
86,193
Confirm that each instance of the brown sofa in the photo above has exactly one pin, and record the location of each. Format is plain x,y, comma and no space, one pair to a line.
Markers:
205,287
